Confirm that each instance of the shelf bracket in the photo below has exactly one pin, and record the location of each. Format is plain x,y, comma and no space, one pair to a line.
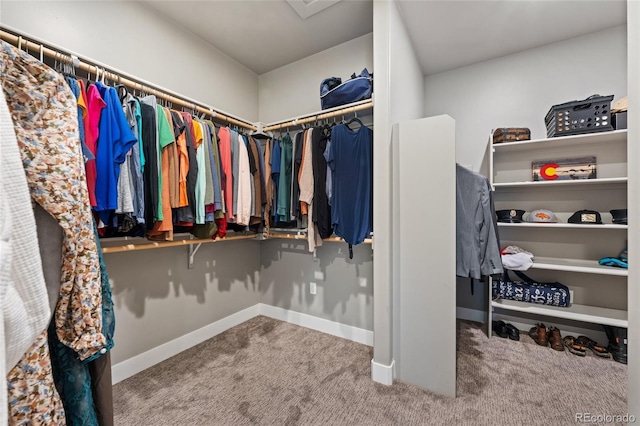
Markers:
192,253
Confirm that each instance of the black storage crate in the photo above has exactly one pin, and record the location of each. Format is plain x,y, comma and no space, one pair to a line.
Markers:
577,117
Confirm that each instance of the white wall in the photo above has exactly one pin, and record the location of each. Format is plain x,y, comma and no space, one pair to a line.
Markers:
143,43
294,89
633,149
518,90
398,83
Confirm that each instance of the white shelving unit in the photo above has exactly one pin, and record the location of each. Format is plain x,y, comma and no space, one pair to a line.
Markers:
566,249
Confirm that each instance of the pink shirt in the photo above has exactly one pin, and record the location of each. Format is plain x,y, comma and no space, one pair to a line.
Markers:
224,144
95,104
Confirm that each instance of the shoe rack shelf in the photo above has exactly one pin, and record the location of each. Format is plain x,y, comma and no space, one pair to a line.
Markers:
607,226
564,251
584,313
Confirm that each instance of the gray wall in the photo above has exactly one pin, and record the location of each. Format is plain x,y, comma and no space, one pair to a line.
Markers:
158,299
344,286
294,89
345,294
141,42
517,91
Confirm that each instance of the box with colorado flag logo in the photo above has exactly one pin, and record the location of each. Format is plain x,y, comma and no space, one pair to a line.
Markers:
564,169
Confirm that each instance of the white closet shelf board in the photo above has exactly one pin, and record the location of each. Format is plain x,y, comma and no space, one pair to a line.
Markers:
577,265
607,226
592,314
616,136
556,183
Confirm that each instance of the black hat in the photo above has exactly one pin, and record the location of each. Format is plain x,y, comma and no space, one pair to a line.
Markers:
510,216
619,216
586,217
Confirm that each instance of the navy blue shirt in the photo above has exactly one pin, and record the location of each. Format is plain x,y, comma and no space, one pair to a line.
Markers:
350,157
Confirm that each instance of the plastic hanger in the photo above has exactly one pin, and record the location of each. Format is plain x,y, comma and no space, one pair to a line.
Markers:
354,120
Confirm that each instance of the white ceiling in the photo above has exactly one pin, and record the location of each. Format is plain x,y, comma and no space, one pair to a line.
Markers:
266,34
451,34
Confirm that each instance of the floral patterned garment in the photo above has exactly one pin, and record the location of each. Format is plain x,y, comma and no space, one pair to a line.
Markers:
45,118
32,396
44,115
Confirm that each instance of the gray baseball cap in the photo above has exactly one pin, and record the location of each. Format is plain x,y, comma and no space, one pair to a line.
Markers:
543,216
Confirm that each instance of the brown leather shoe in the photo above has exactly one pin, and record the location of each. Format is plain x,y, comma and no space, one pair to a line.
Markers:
539,334
555,339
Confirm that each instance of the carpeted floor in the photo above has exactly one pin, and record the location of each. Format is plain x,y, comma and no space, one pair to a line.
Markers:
269,372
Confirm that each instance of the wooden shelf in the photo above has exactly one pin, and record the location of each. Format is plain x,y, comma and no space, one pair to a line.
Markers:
303,237
617,136
556,183
608,226
149,245
592,314
577,265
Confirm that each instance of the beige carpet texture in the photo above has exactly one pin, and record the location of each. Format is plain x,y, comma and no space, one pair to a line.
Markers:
268,372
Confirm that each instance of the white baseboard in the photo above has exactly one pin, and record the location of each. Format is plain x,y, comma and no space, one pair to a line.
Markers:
471,314
349,332
138,363
383,373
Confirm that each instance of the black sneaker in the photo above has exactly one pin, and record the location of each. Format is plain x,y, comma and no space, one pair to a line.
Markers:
500,328
617,343
512,332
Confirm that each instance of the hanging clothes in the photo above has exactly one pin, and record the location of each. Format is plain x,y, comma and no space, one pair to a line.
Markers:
276,159
268,182
135,156
114,141
243,197
95,105
296,214
188,173
49,145
350,157
321,210
150,172
214,159
64,191
204,192
224,143
163,228
477,248
24,302
306,179
283,212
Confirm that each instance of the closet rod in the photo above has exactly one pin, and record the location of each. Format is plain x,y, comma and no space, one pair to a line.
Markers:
60,55
320,116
